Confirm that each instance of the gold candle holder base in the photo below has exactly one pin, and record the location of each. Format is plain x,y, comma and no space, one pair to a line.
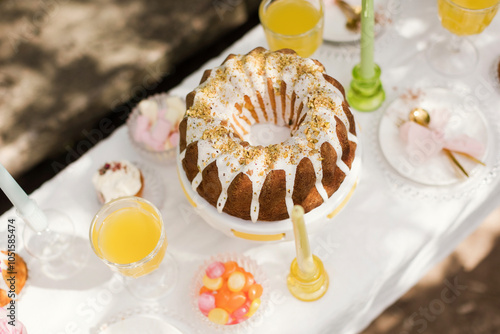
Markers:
308,287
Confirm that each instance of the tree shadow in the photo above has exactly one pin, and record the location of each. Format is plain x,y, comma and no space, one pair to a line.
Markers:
10,12
460,301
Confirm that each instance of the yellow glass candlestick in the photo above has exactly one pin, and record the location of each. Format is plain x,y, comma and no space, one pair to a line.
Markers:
308,279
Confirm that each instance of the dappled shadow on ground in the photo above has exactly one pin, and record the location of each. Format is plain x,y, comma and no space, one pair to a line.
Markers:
455,297
65,64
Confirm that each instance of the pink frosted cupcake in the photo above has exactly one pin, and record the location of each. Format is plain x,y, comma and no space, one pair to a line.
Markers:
154,125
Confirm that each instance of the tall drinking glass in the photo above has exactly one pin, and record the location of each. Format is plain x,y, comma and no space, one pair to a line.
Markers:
128,235
456,55
293,24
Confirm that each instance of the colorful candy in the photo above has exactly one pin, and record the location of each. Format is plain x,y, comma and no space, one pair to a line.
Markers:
249,281
253,307
255,291
212,283
241,312
222,297
229,294
236,300
215,270
236,281
218,316
204,289
230,267
157,121
206,303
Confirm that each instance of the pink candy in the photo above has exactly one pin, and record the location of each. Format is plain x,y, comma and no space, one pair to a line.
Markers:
151,142
215,270
206,302
141,128
158,136
241,312
160,130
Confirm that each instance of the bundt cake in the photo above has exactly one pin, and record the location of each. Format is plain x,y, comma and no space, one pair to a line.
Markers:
264,182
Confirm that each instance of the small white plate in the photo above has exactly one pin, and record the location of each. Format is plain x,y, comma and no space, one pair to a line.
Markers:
438,169
437,178
146,320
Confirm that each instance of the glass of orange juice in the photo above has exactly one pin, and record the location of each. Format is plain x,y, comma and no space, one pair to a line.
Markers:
456,55
128,235
293,24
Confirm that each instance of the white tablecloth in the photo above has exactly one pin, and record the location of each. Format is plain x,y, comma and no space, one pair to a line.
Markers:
374,250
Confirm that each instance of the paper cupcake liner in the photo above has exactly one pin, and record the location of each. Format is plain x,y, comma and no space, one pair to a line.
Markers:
154,186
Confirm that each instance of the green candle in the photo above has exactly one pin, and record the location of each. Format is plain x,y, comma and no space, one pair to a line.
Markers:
367,35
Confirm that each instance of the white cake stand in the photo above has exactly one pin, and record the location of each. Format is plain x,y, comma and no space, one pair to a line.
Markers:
265,231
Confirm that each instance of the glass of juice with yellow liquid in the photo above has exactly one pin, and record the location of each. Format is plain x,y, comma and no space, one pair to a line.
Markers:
128,235
293,24
456,55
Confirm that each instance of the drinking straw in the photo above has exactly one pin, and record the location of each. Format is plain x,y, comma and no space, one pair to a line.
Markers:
25,206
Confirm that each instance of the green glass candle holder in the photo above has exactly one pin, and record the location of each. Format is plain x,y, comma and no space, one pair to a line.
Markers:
365,94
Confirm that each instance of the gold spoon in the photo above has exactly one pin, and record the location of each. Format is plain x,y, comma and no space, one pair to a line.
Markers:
422,117
352,14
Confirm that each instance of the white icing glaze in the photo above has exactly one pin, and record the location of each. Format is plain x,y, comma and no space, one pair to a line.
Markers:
221,106
115,182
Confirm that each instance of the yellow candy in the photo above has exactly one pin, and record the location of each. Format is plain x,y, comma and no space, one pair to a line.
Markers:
218,316
253,307
236,281
212,283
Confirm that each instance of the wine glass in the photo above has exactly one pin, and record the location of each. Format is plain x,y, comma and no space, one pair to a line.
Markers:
128,235
456,55
293,24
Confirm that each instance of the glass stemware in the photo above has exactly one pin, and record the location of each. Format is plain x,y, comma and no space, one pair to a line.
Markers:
456,55
293,24
129,236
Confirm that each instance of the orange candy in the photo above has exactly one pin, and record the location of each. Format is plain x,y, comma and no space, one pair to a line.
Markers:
248,282
222,297
255,291
236,300
204,289
230,268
